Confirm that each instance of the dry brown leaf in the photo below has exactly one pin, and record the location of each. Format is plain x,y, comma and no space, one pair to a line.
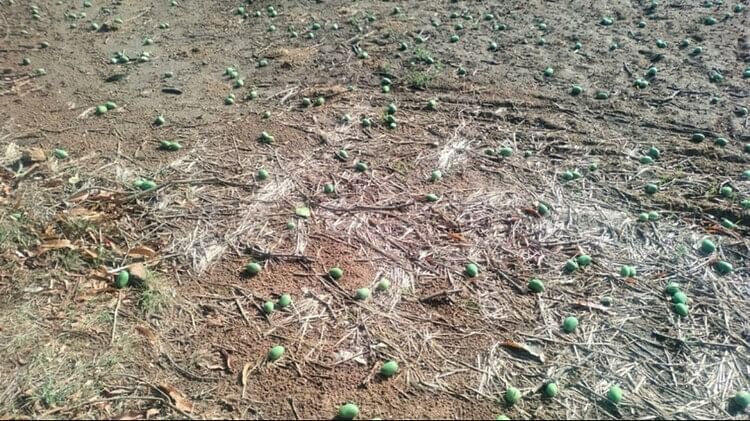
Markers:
57,244
217,321
92,254
79,197
228,360
94,196
591,305
178,399
130,415
53,245
137,271
245,374
524,350
115,392
36,155
142,251
456,236
100,273
148,334
116,249
532,212
84,214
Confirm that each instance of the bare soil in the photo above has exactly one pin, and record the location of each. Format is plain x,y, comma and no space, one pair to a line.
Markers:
190,339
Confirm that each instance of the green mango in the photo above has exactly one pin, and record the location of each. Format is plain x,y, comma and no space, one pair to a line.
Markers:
336,273
583,260
471,270
536,285
679,297
268,307
681,309
550,390
742,399
708,246
253,268
570,324
348,411
614,394
122,279
389,369
512,396
362,294
284,301
672,288
276,352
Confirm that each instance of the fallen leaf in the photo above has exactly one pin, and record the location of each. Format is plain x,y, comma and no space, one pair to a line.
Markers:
178,399
148,334
457,236
57,244
360,360
142,251
92,254
217,321
79,197
92,195
532,212
228,360
138,271
152,412
591,305
36,155
302,212
101,273
84,214
245,374
12,154
115,392
53,245
525,350
130,415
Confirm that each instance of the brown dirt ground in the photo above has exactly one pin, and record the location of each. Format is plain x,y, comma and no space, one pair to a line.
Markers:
176,343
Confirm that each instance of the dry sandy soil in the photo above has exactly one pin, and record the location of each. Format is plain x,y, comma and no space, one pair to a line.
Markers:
188,337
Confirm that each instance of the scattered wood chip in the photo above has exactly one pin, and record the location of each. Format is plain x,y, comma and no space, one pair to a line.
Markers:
525,350
178,399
